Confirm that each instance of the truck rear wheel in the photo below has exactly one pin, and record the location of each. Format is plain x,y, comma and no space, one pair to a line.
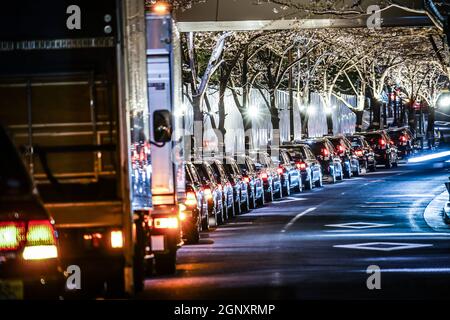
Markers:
115,285
165,264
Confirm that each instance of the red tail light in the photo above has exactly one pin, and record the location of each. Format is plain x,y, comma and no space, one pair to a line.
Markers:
246,179
264,176
359,153
39,240
280,170
382,142
12,235
301,165
340,149
40,233
403,139
325,152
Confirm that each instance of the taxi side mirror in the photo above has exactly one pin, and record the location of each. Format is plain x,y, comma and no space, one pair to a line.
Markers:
162,126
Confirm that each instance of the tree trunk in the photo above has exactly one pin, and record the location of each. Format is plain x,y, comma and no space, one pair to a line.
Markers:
359,120
198,127
330,124
222,91
274,117
375,105
430,126
411,116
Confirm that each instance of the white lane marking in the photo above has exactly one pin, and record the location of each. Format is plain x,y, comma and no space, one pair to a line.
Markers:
293,220
359,225
409,195
239,223
392,234
386,172
417,270
382,206
382,202
383,246
290,200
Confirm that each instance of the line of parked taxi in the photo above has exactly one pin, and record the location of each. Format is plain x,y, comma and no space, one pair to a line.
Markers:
219,189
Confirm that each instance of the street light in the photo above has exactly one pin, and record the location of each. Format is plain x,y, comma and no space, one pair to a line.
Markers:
160,7
444,100
311,110
253,111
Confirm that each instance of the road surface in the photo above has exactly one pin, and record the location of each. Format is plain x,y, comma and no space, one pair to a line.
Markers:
319,244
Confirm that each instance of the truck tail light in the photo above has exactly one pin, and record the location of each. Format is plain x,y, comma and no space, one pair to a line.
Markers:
325,152
341,149
165,223
382,142
40,241
191,199
116,239
12,235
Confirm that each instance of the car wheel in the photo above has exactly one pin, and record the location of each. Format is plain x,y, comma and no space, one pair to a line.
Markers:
279,194
269,195
166,264
224,211
205,222
287,189
309,183
357,171
193,234
221,214
395,164
319,183
299,187
388,163
213,220
260,201
348,173
246,205
115,285
232,210
252,199
237,206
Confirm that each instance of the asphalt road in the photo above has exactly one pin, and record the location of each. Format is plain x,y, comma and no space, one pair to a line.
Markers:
319,244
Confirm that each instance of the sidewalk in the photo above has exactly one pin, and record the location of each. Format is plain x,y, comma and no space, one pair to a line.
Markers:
434,212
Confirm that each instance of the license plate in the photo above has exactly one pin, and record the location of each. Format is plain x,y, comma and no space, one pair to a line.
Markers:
11,290
158,243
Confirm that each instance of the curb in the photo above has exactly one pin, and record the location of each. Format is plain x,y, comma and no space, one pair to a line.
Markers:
434,212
